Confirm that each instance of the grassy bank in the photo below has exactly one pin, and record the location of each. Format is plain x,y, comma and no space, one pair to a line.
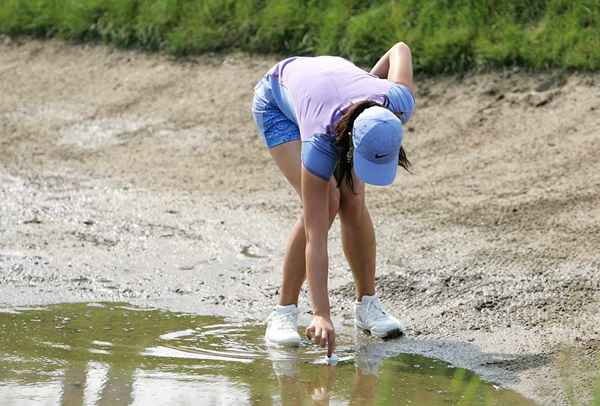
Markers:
446,35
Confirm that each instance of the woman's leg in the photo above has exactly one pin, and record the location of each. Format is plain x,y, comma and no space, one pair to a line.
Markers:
358,237
294,266
287,158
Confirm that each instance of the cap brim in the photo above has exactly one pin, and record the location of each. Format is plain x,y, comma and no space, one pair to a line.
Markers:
375,174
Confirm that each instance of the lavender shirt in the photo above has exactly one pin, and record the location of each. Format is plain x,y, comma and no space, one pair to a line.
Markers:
313,92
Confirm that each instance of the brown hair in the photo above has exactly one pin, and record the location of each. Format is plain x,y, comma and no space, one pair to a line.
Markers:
343,139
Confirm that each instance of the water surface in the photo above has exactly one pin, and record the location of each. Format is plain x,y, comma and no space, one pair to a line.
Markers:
114,354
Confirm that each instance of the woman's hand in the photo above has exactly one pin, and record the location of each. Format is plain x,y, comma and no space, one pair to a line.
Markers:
322,333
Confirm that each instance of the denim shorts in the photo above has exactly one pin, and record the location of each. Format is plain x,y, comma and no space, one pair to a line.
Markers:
274,126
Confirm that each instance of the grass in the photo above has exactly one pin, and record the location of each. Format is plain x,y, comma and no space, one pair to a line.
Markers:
445,35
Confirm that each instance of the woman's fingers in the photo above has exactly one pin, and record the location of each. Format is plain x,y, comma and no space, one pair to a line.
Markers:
323,337
331,343
322,334
317,336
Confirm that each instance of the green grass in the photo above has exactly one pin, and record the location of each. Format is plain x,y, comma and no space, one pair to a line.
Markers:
445,35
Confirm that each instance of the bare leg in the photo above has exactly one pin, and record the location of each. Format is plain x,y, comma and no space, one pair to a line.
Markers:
294,265
287,158
358,237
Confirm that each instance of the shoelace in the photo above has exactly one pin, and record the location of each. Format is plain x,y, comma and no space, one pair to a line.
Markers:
286,319
380,312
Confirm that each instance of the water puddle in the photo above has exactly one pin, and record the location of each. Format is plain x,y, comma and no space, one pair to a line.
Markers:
115,354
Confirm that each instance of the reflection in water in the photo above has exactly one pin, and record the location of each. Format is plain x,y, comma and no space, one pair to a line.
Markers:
115,355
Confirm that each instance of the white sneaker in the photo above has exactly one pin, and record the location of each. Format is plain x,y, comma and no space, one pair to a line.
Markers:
371,317
282,326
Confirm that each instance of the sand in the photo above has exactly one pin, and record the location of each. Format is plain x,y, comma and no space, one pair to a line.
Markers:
135,177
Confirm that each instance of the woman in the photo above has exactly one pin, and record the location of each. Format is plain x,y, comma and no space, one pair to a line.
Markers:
321,116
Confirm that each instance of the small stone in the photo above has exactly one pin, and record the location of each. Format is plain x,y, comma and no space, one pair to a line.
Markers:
491,91
555,81
186,267
34,220
539,100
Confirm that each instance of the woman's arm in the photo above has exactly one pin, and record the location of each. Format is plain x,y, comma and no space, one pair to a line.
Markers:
382,66
396,65
315,196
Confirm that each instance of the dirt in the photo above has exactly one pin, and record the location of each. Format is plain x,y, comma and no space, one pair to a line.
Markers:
128,176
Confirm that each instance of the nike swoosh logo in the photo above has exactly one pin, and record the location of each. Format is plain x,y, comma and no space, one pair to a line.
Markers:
378,156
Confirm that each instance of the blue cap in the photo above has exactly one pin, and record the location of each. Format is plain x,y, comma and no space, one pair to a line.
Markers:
377,135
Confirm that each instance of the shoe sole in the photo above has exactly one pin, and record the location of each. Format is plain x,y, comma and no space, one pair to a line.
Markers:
395,333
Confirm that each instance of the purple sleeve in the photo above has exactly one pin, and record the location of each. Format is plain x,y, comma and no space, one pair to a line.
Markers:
401,101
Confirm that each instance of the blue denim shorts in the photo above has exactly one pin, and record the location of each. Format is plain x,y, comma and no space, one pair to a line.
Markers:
274,126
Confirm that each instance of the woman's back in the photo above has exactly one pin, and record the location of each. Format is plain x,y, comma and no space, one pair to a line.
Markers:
315,90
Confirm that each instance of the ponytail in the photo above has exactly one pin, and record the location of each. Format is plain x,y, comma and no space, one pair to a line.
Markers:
343,139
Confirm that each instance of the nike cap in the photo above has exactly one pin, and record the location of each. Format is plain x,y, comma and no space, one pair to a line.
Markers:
377,136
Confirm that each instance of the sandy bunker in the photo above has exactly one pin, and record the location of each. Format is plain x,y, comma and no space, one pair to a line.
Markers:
133,177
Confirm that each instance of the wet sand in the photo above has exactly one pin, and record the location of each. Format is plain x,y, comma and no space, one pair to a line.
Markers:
133,177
